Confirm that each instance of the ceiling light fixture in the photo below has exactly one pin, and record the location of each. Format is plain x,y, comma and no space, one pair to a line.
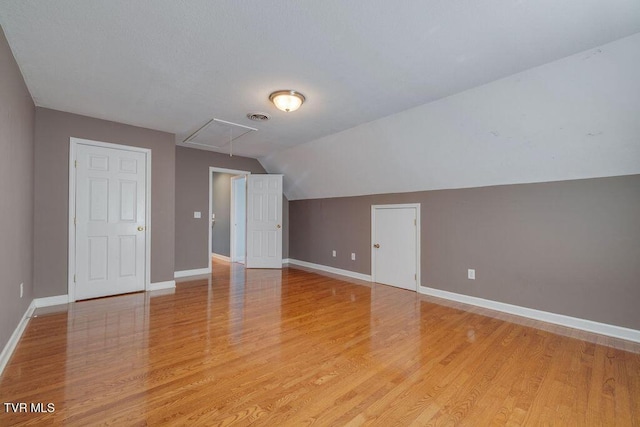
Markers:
287,100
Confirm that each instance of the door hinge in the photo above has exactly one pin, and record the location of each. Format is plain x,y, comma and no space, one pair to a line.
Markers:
74,278
74,220
415,277
415,222
75,163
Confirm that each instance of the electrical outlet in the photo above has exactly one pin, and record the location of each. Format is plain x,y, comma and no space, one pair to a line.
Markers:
333,253
471,274
353,256
21,290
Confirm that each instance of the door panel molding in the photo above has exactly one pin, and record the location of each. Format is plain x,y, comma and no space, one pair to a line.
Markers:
374,209
71,253
264,221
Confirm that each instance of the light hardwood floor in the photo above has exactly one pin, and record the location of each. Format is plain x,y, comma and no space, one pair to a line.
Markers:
293,347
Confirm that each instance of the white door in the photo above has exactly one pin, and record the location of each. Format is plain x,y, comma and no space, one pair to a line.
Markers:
110,221
264,221
395,239
238,218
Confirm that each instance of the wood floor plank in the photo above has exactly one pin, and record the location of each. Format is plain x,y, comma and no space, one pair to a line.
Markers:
295,347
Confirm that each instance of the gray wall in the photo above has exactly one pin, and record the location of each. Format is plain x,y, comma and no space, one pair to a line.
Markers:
221,206
570,247
17,114
53,130
192,194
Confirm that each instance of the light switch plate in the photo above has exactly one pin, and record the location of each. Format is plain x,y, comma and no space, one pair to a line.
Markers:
197,214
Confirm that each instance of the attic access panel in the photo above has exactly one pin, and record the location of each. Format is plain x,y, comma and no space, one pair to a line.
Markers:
218,134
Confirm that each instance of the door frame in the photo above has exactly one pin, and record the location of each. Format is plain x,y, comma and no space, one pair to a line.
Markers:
71,253
416,206
213,169
233,213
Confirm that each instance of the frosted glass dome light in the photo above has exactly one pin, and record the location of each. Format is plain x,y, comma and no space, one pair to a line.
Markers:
287,100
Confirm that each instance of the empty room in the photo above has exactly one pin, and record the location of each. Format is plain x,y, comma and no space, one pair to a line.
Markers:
334,213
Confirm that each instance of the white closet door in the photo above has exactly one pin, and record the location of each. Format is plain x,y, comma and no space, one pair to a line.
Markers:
395,245
110,221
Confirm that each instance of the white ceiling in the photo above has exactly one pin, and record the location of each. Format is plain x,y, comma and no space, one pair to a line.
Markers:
173,65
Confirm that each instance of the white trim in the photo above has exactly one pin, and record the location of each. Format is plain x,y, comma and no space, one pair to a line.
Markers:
222,257
71,251
544,316
213,169
49,301
158,293
9,348
397,206
228,171
328,269
286,261
189,273
169,284
71,246
417,207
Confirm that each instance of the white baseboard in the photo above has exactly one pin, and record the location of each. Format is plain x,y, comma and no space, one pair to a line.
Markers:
162,292
188,273
49,301
545,316
8,349
328,269
222,257
169,284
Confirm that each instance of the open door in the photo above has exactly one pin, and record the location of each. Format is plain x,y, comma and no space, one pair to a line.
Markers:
264,221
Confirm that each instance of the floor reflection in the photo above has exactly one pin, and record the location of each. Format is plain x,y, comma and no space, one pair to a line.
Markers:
291,347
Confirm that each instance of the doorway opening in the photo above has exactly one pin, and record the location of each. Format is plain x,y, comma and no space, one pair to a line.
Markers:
238,218
227,214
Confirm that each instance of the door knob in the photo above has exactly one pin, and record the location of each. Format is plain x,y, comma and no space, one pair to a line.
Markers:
141,228
278,226
377,246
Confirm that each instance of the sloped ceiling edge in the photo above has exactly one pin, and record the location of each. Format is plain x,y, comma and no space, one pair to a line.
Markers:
570,119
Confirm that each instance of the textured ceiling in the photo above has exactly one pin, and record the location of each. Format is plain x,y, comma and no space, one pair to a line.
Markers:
173,65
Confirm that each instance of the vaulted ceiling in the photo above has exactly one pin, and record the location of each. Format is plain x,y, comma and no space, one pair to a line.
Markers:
173,65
